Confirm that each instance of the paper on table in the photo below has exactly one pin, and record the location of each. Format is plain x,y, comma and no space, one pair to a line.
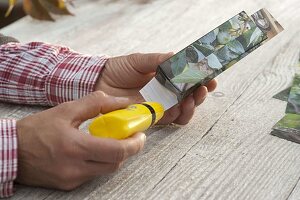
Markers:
288,128
293,105
283,95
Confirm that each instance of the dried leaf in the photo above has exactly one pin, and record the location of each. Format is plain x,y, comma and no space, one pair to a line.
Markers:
11,4
55,6
36,10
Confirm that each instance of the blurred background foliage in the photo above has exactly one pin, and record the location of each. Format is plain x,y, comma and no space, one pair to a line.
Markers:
12,10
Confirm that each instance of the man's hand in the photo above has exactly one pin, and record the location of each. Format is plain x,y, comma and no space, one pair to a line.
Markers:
126,75
53,153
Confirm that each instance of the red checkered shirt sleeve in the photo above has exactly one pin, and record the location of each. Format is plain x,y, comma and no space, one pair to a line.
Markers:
40,74
8,156
44,74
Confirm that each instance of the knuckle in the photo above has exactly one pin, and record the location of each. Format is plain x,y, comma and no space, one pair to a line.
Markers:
97,95
115,167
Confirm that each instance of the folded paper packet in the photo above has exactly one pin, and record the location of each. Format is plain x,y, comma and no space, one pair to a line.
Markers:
283,95
293,105
209,56
289,126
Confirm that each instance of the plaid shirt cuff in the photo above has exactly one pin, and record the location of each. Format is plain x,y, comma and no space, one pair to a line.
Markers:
8,156
44,74
73,77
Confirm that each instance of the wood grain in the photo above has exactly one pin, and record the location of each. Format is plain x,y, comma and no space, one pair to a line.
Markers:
226,152
295,194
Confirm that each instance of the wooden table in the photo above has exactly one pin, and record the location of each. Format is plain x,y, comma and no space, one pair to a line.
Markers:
226,152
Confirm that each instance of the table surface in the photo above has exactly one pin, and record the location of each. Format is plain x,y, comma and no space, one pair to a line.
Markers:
226,151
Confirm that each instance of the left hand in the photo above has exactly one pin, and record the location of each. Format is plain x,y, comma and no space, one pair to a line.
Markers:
126,75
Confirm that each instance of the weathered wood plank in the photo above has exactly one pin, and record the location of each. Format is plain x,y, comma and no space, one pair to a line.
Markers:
182,180
238,159
295,194
229,144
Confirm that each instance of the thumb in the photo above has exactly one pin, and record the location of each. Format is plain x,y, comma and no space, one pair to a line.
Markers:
95,103
147,63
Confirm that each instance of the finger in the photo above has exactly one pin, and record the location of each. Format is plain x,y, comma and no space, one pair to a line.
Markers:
82,171
95,103
211,85
200,95
170,115
129,91
147,63
187,111
112,150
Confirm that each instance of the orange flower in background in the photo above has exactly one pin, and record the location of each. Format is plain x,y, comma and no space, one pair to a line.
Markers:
41,9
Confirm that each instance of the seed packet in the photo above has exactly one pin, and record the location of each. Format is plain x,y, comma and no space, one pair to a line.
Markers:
209,56
283,95
293,105
289,126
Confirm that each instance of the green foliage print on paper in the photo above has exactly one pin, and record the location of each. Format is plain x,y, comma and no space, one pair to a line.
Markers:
256,36
226,55
293,105
197,72
189,75
289,121
214,52
205,49
236,47
224,37
193,55
252,38
233,28
225,33
178,62
213,62
209,38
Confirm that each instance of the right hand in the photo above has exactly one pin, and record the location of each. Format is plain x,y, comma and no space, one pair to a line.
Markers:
54,153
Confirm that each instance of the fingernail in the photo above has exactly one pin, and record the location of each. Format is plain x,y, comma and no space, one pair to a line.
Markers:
206,93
